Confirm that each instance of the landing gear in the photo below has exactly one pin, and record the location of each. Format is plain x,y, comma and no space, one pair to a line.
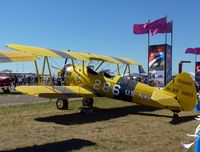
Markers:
62,104
88,102
87,106
176,116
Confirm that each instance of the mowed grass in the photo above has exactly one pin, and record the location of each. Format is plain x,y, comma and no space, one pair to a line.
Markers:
114,126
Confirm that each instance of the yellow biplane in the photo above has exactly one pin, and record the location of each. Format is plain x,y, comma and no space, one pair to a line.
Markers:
87,81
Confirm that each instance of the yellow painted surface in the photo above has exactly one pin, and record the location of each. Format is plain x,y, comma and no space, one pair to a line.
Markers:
16,56
57,91
131,61
184,89
33,50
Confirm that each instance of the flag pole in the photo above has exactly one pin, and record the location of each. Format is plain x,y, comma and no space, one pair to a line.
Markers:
165,53
166,32
172,34
195,67
148,52
171,47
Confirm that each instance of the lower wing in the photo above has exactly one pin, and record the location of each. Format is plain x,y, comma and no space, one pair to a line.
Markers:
56,91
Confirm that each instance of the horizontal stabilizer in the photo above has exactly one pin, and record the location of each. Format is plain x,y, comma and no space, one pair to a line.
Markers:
56,91
165,99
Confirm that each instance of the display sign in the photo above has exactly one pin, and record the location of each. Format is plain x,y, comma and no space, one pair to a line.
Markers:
168,63
160,64
197,72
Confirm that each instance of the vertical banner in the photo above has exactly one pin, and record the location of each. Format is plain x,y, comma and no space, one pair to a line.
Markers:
160,64
168,63
197,72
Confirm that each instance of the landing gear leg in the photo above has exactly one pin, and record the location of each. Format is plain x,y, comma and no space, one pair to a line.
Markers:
62,104
87,106
175,116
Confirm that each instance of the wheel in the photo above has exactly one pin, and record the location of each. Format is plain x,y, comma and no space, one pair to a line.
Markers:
6,89
62,104
87,102
175,116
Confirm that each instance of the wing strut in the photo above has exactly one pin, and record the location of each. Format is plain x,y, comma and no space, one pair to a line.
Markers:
38,75
99,65
125,69
40,80
49,71
43,68
118,69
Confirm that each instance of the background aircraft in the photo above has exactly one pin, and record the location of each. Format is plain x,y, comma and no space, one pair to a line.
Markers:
87,82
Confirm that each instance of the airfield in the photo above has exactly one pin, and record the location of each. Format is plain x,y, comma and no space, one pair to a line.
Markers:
34,124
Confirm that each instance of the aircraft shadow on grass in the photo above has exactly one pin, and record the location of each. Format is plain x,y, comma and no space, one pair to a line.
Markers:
182,119
107,114
61,146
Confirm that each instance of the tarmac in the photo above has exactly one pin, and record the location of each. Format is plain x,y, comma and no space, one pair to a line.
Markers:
18,98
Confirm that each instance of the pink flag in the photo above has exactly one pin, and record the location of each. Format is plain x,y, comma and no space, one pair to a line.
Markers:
140,28
193,50
155,25
159,22
163,28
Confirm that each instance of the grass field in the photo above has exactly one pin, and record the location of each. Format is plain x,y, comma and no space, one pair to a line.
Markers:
115,126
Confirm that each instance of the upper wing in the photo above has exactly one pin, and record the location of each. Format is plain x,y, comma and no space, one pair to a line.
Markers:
8,56
46,52
129,61
71,55
110,59
56,91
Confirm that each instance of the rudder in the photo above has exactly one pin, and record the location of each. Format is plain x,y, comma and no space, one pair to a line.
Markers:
183,88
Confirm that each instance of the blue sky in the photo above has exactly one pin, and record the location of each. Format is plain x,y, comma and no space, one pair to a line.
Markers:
97,26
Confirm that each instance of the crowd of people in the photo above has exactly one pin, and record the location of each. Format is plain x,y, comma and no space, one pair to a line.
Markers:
27,79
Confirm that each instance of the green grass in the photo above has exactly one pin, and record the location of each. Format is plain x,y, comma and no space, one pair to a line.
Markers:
114,126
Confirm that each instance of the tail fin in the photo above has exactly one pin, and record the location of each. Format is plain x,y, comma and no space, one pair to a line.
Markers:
184,90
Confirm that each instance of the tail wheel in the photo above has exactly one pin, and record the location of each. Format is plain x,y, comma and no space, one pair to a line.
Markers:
88,102
62,104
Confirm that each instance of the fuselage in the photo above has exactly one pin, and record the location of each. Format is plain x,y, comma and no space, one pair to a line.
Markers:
117,87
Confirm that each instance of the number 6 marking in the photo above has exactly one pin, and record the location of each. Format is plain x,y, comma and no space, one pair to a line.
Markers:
115,89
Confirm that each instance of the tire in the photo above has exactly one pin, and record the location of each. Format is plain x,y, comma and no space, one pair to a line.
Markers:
6,90
62,104
87,102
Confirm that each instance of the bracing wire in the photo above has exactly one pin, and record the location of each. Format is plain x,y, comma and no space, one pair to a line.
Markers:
55,62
